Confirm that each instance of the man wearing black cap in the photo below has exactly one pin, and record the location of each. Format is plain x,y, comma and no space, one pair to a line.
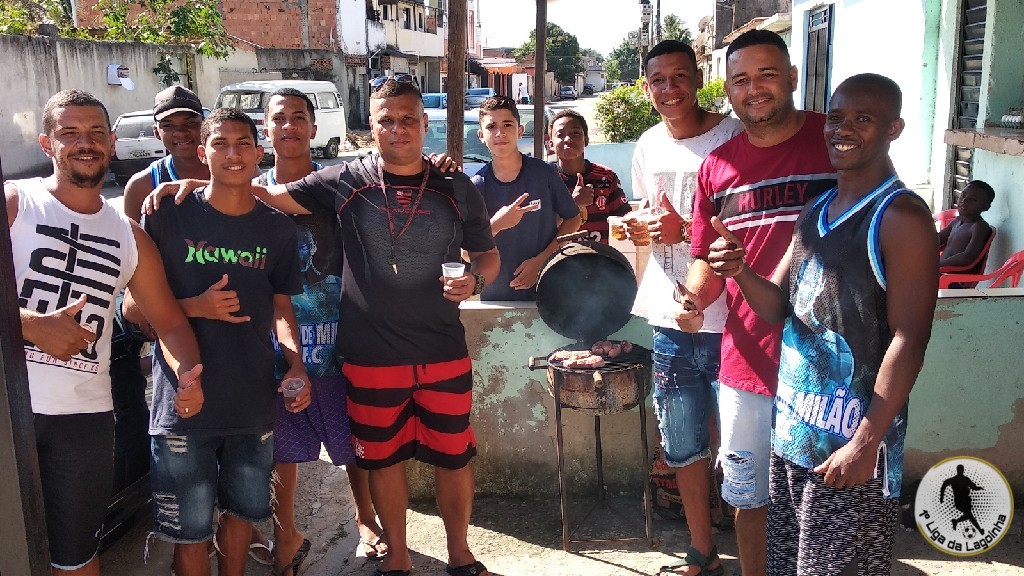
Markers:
178,114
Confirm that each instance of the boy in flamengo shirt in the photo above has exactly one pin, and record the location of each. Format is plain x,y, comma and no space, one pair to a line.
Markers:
594,187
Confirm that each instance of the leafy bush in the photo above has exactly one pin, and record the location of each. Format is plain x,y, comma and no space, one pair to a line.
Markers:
706,96
625,113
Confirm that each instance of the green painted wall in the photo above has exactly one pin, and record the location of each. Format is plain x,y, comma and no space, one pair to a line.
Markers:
1003,74
968,400
1005,174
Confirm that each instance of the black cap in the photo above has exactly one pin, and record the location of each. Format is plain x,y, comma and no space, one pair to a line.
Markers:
176,99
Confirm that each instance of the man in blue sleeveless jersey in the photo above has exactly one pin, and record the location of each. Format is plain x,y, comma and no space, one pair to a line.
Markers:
856,292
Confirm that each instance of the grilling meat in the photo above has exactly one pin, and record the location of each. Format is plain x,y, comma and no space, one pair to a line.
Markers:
593,358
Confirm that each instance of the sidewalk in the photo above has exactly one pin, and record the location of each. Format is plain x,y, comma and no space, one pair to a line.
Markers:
516,537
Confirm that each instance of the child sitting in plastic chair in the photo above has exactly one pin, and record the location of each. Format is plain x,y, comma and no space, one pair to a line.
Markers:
964,240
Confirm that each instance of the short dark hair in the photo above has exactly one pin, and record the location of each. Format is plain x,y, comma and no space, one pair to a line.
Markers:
500,103
985,187
758,38
66,98
294,93
569,113
222,115
882,86
392,88
670,47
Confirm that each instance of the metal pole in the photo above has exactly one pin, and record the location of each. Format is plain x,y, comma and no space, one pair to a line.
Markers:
657,23
23,530
539,92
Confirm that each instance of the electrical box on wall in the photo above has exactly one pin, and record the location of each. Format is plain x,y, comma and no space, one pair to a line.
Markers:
119,74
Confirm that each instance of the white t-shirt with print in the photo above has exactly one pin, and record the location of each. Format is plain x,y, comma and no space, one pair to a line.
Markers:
664,166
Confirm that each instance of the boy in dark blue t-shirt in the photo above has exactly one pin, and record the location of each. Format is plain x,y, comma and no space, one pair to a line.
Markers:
233,264
527,201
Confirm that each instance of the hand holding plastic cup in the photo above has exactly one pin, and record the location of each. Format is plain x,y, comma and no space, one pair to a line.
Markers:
453,269
291,388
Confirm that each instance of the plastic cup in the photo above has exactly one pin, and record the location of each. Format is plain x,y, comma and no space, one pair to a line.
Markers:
616,228
291,388
453,269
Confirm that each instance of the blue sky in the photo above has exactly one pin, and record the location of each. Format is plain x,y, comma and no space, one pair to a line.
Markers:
598,24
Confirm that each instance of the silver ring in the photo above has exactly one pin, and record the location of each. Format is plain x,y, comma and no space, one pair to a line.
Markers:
186,410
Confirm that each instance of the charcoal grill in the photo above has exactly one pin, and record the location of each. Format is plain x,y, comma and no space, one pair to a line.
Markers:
587,316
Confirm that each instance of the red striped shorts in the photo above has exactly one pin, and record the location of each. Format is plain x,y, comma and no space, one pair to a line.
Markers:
415,411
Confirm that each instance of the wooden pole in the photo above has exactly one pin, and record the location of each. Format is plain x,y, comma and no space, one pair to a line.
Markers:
540,71
457,17
23,529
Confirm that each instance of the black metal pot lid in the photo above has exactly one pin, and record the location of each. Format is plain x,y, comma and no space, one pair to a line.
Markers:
585,291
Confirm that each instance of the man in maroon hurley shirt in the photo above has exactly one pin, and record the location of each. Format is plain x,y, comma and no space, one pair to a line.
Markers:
756,184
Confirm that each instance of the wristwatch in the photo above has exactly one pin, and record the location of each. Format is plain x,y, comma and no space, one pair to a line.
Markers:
583,215
480,281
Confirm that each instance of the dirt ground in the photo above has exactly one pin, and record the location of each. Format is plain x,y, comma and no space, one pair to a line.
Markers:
522,537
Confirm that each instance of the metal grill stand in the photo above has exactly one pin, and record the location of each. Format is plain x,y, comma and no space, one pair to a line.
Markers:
562,493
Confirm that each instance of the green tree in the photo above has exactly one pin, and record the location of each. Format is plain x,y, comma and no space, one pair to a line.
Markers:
195,23
675,29
591,52
625,113
625,60
709,93
25,17
564,58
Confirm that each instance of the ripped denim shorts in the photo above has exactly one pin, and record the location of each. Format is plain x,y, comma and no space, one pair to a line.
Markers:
745,453
189,474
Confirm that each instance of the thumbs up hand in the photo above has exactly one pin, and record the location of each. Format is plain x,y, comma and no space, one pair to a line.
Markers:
215,303
582,194
668,228
726,254
58,333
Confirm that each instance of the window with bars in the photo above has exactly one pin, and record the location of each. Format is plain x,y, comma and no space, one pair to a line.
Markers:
973,21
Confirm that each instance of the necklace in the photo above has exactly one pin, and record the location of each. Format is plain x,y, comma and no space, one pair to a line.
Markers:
393,258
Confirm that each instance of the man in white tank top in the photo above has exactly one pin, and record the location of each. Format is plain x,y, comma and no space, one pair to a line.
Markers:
73,253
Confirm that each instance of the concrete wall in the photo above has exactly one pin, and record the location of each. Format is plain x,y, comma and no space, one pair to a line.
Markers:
352,26
895,50
967,401
41,66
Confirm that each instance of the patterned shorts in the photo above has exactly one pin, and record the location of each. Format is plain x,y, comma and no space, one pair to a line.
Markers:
404,412
298,435
817,530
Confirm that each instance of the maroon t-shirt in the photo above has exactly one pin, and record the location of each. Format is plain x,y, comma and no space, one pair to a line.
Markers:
758,194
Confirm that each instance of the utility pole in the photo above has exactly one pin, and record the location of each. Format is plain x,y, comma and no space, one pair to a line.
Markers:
645,29
457,17
539,73
23,530
657,23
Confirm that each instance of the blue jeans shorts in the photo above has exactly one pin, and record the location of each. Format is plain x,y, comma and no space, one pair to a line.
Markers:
685,373
189,474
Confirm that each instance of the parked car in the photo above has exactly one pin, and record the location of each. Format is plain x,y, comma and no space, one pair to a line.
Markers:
252,97
136,144
476,96
588,89
437,100
474,152
566,93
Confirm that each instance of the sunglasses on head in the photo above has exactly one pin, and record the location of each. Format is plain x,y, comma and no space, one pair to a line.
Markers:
376,83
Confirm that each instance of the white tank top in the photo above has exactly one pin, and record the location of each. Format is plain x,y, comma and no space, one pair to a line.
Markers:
59,255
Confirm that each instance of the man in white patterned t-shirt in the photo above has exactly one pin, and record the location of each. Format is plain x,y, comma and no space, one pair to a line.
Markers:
665,164
73,253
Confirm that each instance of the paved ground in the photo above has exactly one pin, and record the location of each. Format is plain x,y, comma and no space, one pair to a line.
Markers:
517,537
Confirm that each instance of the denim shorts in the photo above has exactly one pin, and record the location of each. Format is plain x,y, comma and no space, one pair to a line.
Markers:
188,474
745,454
685,372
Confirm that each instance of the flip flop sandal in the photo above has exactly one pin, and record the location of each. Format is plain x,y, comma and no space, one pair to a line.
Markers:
475,569
368,549
262,553
694,558
296,563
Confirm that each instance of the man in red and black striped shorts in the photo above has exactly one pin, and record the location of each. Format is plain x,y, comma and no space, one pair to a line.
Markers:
406,360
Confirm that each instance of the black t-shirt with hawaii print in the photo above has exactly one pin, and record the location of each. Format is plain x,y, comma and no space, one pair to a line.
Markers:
398,318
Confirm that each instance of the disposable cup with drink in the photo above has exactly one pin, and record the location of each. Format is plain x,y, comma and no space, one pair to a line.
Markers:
291,387
616,227
453,269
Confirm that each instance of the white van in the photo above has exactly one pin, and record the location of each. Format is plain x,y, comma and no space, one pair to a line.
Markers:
252,97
